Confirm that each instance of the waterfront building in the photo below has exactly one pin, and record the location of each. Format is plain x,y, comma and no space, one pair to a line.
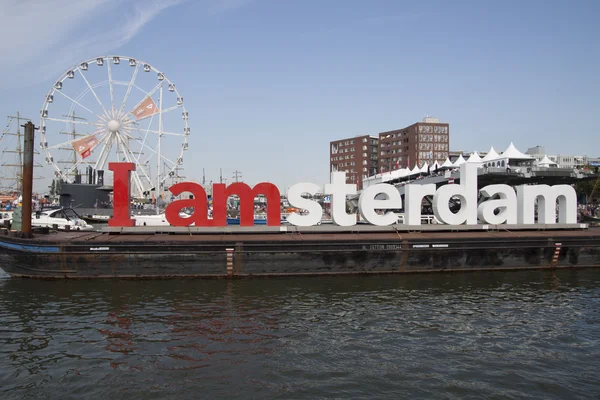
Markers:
356,156
563,161
418,144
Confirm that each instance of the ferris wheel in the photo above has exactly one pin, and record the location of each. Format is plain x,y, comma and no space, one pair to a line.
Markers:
115,108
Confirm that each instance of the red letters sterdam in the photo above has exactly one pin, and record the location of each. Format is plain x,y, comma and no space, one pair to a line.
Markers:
121,200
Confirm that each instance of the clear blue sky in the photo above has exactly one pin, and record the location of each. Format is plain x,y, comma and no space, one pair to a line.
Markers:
269,83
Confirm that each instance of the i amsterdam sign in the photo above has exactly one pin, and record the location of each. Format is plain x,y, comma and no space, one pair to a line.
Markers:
504,204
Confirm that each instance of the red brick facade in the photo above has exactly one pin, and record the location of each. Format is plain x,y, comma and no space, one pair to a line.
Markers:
358,156
418,143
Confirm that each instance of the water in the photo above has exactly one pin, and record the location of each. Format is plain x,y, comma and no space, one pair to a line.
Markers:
451,336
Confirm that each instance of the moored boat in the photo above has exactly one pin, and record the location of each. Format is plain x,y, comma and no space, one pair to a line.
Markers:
5,218
270,251
60,219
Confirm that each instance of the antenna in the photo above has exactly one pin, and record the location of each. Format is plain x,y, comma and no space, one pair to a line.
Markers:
220,175
236,175
203,177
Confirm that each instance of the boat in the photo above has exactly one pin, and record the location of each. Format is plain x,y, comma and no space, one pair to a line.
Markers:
5,218
221,252
96,218
151,220
64,219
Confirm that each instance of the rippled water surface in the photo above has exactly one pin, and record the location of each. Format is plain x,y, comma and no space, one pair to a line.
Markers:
489,335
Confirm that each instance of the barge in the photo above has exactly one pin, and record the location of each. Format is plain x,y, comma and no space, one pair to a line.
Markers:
170,252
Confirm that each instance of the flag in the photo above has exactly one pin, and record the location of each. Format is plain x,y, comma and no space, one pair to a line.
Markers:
146,108
84,145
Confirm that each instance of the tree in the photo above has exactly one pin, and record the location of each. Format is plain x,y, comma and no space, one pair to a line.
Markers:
589,188
53,188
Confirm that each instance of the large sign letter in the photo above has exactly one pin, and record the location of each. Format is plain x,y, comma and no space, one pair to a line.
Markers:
546,197
413,198
506,205
466,192
315,211
198,202
367,204
246,195
121,193
338,189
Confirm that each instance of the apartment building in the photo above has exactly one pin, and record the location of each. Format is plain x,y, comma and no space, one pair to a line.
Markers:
356,156
422,142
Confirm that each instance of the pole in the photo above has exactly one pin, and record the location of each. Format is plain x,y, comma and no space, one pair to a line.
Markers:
157,191
19,152
27,177
236,175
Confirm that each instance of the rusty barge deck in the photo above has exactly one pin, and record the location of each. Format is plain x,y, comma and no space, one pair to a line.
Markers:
266,251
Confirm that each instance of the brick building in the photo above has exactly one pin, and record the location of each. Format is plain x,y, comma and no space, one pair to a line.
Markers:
358,156
418,143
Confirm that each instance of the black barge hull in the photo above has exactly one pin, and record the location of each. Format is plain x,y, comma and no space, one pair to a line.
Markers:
102,255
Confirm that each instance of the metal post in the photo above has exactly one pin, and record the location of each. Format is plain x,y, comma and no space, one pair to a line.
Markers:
27,183
157,191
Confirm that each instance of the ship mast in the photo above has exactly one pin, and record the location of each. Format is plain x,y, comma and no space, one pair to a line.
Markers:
12,170
73,135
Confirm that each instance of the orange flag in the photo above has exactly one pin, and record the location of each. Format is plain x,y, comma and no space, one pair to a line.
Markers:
145,109
84,145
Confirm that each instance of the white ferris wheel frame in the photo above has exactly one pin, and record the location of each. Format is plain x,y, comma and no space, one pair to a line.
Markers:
106,138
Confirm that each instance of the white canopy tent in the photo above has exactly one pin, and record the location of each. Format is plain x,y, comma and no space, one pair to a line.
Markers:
474,158
491,155
513,154
416,170
447,164
459,161
546,162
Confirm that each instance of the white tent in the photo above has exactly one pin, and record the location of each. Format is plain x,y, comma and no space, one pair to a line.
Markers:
474,158
491,155
447,164
425,168
546,162
416,170
399,173
459,161
513,154
435,166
